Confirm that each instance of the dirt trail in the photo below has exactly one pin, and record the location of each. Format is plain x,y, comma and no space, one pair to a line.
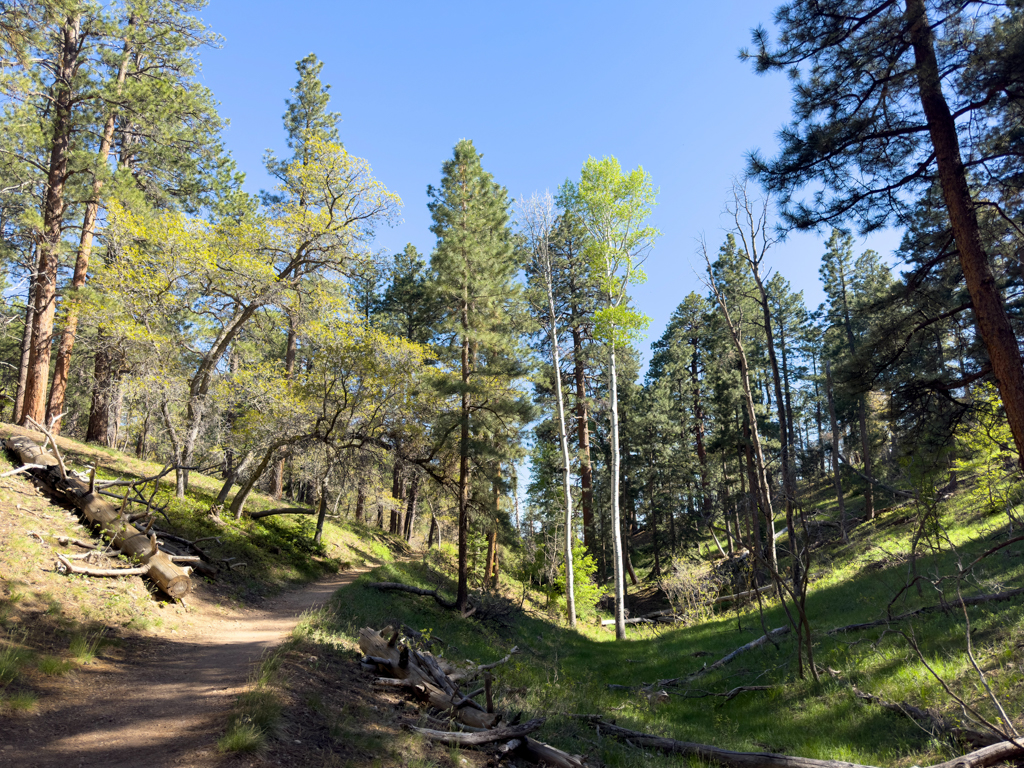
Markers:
166,704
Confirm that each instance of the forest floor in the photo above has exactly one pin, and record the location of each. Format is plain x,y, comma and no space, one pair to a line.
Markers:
108,672
158,701
105,673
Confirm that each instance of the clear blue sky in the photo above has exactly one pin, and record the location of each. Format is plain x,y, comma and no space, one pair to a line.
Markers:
538,87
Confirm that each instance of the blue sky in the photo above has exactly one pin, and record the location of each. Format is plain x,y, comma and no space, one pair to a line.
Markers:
538,87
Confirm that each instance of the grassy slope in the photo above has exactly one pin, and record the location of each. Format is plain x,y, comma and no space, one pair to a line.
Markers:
563,672
44,614
560,672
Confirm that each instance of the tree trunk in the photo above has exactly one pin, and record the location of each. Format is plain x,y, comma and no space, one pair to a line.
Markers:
398,496
986,299
788,486
99,413
322,511
238,502
583,436
360,499
34,405
62,364
26,349
618,555
835,455
563,442
492,545
410,510
277,481
462,595
236,472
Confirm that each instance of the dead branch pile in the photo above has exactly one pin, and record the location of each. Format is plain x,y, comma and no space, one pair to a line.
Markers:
437,684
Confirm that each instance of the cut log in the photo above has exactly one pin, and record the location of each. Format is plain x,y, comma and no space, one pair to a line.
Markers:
30,452
981,758
127,538
455,739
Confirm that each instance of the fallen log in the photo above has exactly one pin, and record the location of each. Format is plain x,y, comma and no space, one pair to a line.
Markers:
981,758
932,722
958,603
127,538
456,739
545,754
634,620
742,595
279,511
742,649
394,586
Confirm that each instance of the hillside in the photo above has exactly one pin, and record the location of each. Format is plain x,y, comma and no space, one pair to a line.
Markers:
310,703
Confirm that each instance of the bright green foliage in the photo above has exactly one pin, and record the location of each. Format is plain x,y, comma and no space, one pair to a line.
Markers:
614,207
985,445
586,590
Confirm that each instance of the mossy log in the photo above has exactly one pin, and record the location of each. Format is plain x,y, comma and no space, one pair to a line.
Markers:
125,537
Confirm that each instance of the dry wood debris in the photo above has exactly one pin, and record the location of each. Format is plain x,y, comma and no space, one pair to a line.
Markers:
434,681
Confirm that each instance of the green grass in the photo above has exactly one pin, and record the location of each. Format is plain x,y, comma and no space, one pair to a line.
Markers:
19,701
54,667
242,736
13,659
83,648
561,672
257,712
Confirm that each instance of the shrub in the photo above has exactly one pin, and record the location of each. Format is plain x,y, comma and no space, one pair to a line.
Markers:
691,587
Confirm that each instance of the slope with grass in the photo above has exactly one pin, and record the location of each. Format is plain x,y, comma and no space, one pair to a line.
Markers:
563,673
103,668
309,703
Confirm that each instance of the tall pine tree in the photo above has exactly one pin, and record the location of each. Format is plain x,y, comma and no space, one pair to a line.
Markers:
474,267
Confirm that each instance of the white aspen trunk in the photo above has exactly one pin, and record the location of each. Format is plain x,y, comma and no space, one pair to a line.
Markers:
620,580
563,440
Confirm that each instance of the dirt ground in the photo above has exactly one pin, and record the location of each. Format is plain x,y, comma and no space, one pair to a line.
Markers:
157,701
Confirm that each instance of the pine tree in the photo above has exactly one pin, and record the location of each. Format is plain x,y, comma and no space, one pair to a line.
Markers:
875,143
837,278
473,278
406,307
170,124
